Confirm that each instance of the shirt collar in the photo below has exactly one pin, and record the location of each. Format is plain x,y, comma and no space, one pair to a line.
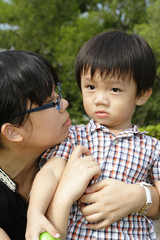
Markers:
93,126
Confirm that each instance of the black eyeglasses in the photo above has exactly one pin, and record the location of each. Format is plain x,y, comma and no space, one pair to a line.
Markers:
58,103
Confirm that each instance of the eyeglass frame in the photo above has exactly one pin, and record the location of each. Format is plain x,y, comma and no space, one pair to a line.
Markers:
58,103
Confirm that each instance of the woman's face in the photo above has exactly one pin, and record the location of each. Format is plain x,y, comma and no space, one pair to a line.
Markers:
48,127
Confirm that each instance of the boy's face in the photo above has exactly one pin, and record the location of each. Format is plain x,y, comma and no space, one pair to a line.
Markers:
109,101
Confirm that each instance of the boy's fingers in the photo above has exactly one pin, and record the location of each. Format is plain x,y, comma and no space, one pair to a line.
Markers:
94,171
79,150
54,233
96,186
51,230
47,235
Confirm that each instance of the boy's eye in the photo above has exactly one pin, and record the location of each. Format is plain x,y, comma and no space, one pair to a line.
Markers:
90,87
115,90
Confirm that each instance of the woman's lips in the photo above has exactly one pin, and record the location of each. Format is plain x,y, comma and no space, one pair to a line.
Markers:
68,123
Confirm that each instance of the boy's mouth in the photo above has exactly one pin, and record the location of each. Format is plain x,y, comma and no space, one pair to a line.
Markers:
102,114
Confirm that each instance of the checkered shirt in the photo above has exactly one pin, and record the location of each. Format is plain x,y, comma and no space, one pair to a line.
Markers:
132,157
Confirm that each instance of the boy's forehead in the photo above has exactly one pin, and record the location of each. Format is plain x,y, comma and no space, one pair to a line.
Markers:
105,76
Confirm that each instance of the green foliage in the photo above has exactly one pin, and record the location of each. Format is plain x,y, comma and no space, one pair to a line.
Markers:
152,130
125,14
150,30
57,29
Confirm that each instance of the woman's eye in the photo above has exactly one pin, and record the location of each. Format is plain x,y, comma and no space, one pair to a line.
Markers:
53,98
115,90
90,87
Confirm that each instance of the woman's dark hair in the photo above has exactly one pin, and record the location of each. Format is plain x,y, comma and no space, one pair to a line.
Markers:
23,76
116,52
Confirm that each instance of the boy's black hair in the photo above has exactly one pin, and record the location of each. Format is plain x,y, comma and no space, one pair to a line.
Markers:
24,76
116,52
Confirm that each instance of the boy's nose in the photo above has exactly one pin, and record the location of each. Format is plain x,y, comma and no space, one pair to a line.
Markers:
102,99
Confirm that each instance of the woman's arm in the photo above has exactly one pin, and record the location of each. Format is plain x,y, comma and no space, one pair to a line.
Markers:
74,181
3,235
154,211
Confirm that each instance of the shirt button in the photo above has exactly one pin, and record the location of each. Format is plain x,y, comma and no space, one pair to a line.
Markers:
116,141
95,235
110,168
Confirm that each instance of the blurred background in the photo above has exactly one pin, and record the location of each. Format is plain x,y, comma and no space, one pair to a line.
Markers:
57,29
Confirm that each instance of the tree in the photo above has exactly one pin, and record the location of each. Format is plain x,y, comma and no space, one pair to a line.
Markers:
57,29
150,30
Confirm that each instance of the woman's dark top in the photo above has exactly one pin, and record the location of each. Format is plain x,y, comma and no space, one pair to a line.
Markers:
13,209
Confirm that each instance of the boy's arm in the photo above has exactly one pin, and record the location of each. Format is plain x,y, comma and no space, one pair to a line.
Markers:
42,191
77,174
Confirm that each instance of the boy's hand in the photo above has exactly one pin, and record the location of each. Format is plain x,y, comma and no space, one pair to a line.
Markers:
79,171
38,225
46,236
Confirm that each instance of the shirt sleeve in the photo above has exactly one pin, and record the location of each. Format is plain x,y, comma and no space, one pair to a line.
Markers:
63,150
156,169
155,176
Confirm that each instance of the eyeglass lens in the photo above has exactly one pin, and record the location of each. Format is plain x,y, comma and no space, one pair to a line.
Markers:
59,99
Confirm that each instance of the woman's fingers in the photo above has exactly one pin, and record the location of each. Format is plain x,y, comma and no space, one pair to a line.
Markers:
99,225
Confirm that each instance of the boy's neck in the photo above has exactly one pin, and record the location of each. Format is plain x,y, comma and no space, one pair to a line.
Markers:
116,130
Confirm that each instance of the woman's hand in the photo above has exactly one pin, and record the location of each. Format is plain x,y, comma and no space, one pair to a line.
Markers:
110,200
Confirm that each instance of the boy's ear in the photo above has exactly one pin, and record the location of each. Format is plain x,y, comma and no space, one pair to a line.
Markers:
11,133
143,97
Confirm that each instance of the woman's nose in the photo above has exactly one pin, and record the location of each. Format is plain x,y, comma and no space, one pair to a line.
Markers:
64,105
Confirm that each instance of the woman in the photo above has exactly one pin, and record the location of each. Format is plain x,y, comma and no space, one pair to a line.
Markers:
27,81
33,117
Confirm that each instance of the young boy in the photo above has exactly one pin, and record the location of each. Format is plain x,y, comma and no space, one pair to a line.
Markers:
115,72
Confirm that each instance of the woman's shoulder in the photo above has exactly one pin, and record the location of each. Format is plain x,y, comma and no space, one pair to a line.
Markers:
10,200
6,180
13,210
